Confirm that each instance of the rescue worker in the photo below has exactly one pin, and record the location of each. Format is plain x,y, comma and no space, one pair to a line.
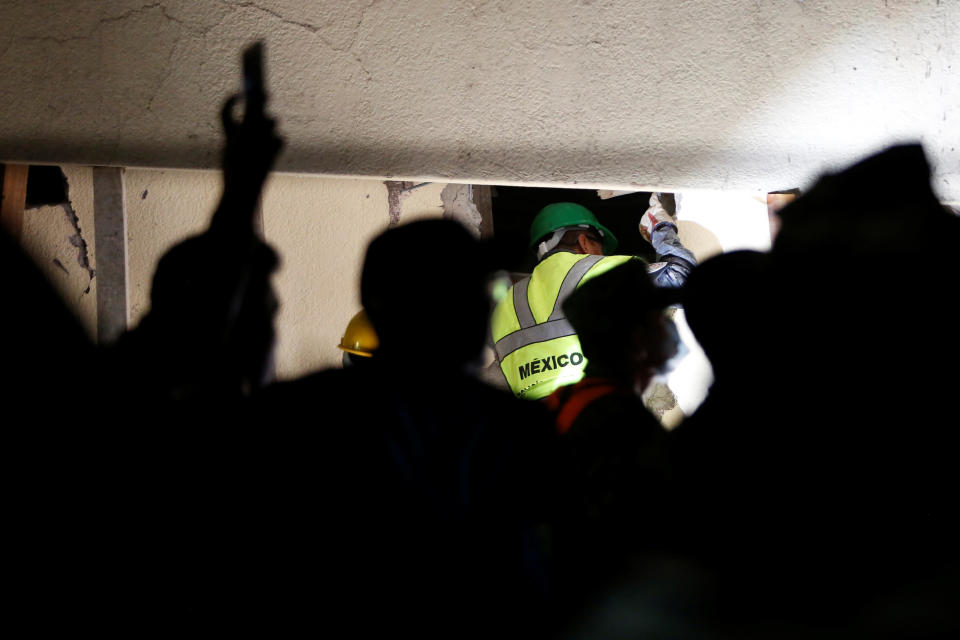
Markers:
359,341
536,347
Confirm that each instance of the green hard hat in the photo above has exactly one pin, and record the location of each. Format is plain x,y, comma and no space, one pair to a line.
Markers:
568,214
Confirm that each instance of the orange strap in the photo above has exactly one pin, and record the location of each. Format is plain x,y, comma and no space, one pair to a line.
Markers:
577,401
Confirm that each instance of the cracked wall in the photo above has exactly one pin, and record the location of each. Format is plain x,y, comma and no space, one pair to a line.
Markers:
60,240
459,205
322,227
753,95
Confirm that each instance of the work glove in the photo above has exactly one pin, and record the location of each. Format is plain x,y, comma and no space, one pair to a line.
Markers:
655,217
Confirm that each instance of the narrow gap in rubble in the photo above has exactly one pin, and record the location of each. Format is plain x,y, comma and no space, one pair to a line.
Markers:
45,186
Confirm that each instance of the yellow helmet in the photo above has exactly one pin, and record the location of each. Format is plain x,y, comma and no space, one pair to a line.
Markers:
359,338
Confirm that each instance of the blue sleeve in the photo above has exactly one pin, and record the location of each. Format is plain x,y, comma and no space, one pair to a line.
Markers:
674,261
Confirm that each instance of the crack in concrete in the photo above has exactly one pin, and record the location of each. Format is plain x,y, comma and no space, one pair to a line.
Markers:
205,31
363,16
131,12
53,38
83,253
166,76
171,18
516,174
163,11
60,265
353,40
312,28
108,20
356,28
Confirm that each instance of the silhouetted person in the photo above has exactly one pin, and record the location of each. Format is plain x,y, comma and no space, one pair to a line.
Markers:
888,472
730,437
186,463
820,484
58,493
429,487
209,332
619,475
128,514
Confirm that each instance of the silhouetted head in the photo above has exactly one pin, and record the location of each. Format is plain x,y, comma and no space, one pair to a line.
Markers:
860,254
619,318
212,312
725,300
423,286
871,208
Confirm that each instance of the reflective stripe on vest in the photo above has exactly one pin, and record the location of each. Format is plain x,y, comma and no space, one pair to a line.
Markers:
521,304
538,333
556,325
570,282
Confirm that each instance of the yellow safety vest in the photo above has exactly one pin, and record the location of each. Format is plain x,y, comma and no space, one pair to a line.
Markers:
537,347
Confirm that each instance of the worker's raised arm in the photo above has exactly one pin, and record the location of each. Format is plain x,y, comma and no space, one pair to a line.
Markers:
251,148
674,261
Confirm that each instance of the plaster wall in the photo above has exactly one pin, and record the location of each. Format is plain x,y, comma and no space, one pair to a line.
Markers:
423,202
60,239
321,227
756,95
163,208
